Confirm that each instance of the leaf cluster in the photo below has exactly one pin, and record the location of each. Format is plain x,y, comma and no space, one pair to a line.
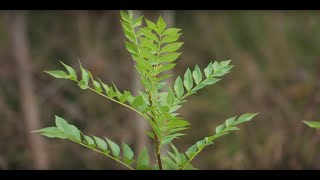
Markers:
155,50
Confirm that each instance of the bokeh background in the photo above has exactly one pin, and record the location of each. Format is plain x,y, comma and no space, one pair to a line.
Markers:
277,70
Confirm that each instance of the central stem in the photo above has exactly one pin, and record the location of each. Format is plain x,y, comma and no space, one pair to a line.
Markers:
156,140
158,155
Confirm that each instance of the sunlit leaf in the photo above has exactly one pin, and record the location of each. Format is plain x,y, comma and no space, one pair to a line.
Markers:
197,75
312,124
178,87
143,159
52,132
101,144
72,72
58,74
115,149
245,117
172,47
187,80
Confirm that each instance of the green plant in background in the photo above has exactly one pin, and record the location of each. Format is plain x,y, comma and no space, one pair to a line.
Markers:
312,124
154,50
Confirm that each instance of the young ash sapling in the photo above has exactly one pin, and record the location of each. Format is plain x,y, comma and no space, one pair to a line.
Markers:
154,50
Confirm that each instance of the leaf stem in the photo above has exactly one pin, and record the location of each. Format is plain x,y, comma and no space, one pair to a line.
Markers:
156,140
119,103
189,161
113,158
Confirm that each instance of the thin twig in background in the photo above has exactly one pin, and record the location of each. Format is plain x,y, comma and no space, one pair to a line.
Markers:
17,32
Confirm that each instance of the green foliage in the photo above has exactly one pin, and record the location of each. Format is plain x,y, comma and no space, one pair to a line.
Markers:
154,48
143,160
64,130
313,124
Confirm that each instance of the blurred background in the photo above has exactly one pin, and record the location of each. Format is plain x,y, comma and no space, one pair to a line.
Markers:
277,73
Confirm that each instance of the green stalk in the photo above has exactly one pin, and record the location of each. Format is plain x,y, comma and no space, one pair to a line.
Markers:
98,151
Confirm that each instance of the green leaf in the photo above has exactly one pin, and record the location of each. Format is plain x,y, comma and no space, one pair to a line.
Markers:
188,81
115,149
130,98
89,141
82,85
220,128
138,101
72,72
127,152
101,144
172,47
183,158
161,85
178,87
177,122
125,25
208,70
210,81
148,44
161,25
129,35
245,117
204,83
220,72
230,121
97,86
145,65
208,142
170,97
171,31
74,133
190,167
146,53
170,57
155,167
175,150
166,140
131,48
125,16
201,144
70,130
164,77
124,96
225,63
173,157
211,138
170,38
62,124
233,128
150,134
51,132
137,22
58,74
143,159
105,87
111,93
117,92
191,151
150,35
215,66
169,164
197,75
165,67
176,135
84,75
313,124
152,25
174,108
130,13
